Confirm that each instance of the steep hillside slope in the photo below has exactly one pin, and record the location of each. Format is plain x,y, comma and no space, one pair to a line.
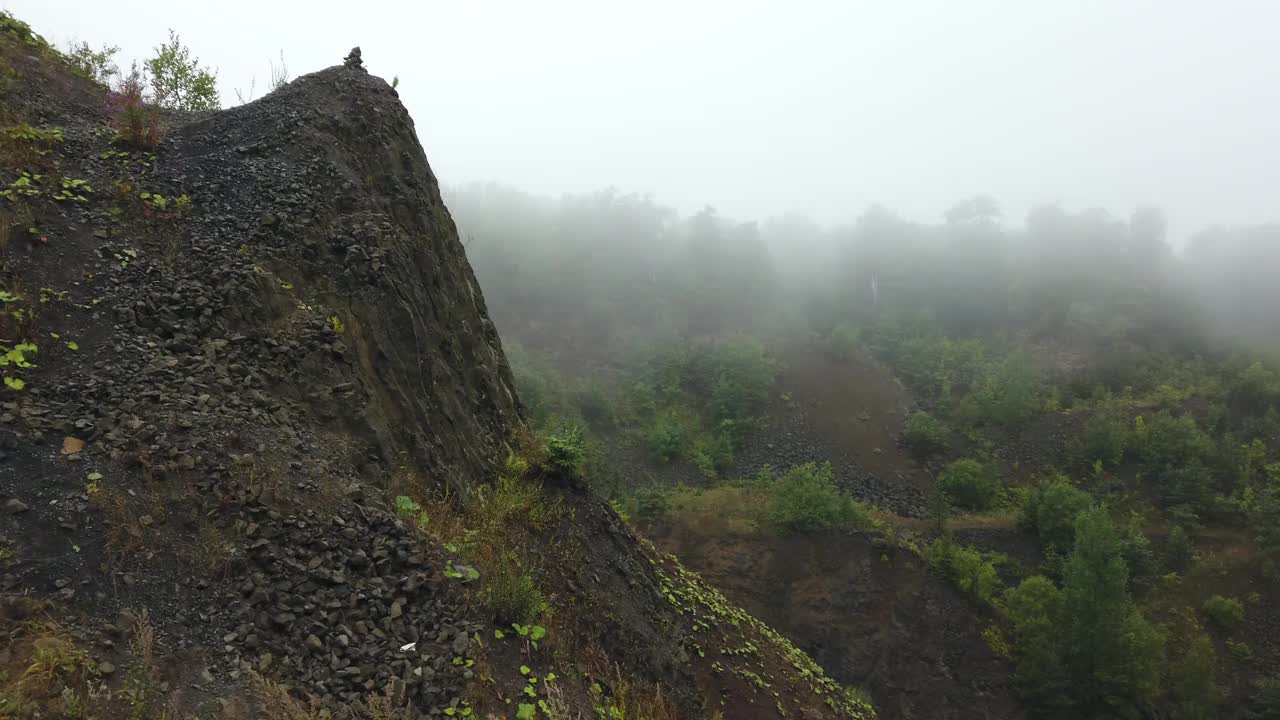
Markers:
873,614
260,455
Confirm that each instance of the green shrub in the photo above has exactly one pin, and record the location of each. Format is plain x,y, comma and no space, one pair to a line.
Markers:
511,593
713,452
1008,394
651,504
1177,454
1136,550
1188,486
970,484
1194,693
1051,509
924,434
595,404
1240,650
1179,550
1106,437
806,499
567,451
1165,442
845,341
935,366
1264,510
1227,613
972,570
1033,611
743,374
666,437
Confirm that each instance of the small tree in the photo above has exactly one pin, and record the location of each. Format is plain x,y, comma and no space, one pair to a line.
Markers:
1034,610
970,484
178,82
924,434
1194,694
134,119
1051,509
1114,656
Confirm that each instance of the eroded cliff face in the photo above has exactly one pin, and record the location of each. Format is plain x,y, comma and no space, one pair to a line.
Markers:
243,336
326,183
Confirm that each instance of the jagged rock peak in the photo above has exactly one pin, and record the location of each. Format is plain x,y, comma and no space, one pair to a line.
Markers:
352,60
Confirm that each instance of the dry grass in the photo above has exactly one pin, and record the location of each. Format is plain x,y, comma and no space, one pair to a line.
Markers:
630,698
46,672
274,702
491,530
212,552
270,700
719,510
141,686
122,528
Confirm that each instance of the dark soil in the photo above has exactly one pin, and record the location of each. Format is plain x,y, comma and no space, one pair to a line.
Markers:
845,412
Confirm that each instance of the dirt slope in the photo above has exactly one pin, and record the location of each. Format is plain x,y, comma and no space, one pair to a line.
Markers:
872,615
848,412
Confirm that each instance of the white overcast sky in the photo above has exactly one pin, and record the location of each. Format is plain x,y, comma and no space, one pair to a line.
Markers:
816,106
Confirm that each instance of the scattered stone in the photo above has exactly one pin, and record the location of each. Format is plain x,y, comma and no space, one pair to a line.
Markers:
15,506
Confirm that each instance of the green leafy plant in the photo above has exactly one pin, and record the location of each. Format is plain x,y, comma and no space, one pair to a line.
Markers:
1227,613
666,437
73,190
408,509
924,434
1051,509
845,341
806,499
511,592
26,185
17,357
972,570
566,450
970,484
